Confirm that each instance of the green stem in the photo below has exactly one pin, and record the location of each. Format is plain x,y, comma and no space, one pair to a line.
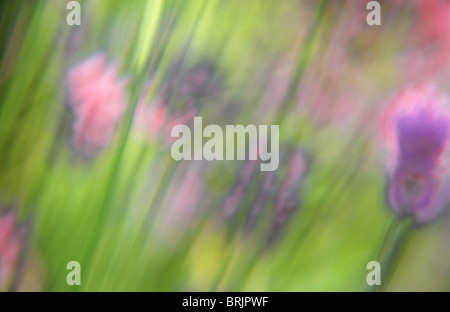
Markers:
393,257
384,243
231,251
390,250
302,63
388,237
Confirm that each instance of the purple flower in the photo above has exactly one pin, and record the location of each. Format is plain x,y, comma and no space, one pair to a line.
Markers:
417,125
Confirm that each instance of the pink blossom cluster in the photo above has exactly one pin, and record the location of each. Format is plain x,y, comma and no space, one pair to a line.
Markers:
97,99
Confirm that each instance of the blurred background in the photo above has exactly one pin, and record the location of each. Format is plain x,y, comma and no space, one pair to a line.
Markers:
86,172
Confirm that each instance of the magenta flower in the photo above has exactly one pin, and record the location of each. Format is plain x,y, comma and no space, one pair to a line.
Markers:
10,248
417,129
97,98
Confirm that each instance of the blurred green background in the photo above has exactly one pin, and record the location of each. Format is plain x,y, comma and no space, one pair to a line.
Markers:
136,220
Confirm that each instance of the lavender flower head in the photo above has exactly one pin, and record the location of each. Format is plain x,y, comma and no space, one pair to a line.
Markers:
417,130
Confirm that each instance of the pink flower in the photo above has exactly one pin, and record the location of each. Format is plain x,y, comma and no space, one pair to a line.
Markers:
154,119
434,20
186,118
10,248
150,119
416,128
432,37
97,98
